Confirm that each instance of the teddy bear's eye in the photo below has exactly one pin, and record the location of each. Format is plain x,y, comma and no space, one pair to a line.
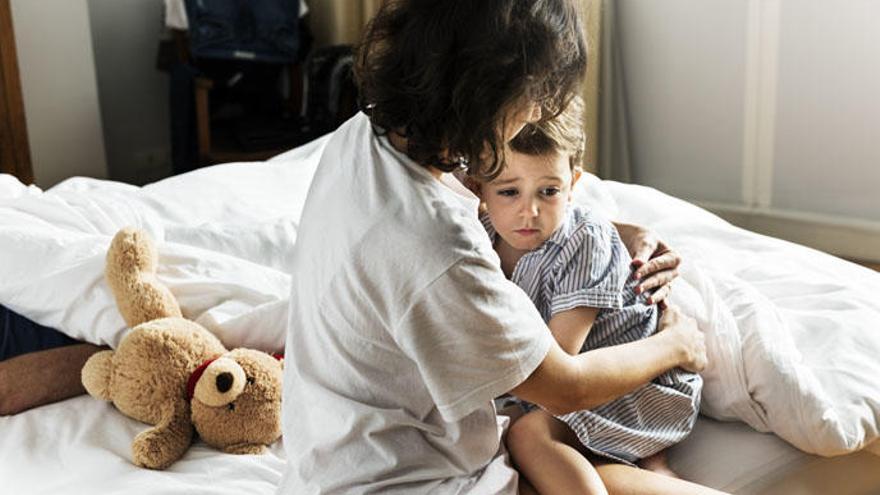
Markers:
231,406
250,379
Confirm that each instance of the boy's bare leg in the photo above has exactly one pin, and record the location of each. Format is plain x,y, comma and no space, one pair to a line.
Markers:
526,488
623,479
42,377
659,464
547,453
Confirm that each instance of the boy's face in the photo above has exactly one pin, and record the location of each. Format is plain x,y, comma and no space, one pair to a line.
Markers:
526,203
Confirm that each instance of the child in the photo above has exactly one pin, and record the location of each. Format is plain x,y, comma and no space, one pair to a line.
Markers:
573,266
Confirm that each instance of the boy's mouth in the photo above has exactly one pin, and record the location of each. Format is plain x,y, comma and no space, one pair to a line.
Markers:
526,232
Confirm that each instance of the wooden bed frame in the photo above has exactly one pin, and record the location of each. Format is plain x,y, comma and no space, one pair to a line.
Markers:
15,156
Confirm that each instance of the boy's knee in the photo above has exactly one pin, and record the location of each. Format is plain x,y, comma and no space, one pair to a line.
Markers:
525,432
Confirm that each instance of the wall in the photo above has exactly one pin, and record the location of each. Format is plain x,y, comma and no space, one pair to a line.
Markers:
59,90
765,111
134,94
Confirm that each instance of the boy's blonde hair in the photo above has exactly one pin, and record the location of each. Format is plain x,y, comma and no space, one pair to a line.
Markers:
563,134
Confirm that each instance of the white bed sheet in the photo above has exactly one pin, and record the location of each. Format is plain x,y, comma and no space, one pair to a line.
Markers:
731,456
83,446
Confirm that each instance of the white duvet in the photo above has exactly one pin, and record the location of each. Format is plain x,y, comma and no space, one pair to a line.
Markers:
794,334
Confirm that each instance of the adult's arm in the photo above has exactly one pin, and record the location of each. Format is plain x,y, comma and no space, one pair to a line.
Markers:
38,364
564,383
42,377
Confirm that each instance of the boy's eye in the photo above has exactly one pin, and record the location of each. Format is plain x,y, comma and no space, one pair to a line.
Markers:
550,191
507,192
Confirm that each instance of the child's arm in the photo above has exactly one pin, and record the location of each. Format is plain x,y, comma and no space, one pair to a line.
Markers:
571,327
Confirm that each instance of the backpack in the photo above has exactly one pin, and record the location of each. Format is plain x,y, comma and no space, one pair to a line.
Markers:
253,30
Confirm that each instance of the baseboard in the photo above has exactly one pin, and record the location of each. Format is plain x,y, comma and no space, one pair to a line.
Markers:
847,238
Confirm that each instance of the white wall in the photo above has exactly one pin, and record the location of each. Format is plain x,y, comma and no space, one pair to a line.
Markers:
134,94
766,111
828,109
59,90
683,64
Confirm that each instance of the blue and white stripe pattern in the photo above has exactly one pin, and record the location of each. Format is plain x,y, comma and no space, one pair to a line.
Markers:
584,263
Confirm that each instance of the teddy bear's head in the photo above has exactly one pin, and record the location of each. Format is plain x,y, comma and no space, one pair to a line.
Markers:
236,401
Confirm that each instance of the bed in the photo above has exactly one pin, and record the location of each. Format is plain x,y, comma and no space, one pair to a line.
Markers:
787,409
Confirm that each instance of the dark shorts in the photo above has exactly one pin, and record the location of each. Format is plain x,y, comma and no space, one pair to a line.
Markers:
19,335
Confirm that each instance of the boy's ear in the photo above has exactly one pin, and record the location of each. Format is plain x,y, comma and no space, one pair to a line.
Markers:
575,176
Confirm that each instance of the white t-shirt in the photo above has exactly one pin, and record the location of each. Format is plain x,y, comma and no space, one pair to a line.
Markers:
402,330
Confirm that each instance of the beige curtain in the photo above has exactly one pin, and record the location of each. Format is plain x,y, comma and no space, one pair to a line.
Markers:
592,16
604,93
340,21
611,137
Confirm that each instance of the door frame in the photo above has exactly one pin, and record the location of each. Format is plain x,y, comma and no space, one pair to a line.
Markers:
15,156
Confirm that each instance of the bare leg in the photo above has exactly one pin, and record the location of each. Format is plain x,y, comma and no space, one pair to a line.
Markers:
42,377
547,453
659,464
623,479
526,488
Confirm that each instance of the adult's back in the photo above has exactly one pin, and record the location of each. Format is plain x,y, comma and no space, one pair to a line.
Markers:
402,330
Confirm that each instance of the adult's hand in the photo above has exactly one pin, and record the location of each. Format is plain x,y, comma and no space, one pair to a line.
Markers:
655,263
683,330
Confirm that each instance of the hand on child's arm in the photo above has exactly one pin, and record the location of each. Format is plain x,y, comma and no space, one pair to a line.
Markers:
683,330
570,328
655,263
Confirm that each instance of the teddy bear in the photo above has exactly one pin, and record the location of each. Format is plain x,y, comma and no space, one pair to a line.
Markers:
174,374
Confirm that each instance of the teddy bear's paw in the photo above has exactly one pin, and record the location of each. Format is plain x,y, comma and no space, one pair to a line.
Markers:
96,375
158,448
245,448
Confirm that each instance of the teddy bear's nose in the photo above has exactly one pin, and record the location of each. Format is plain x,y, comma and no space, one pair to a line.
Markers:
224,382
221,383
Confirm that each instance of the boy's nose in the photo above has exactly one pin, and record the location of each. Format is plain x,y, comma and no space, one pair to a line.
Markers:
530,209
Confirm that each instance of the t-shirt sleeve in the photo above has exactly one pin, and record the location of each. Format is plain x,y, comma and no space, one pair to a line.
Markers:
473,335
591,271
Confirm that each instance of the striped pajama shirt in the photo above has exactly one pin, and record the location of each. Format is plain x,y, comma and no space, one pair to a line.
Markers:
584,263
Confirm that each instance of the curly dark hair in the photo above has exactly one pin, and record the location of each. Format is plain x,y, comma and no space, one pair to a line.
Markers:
446,73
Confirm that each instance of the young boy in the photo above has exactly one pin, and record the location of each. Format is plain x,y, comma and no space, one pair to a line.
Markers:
573,266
